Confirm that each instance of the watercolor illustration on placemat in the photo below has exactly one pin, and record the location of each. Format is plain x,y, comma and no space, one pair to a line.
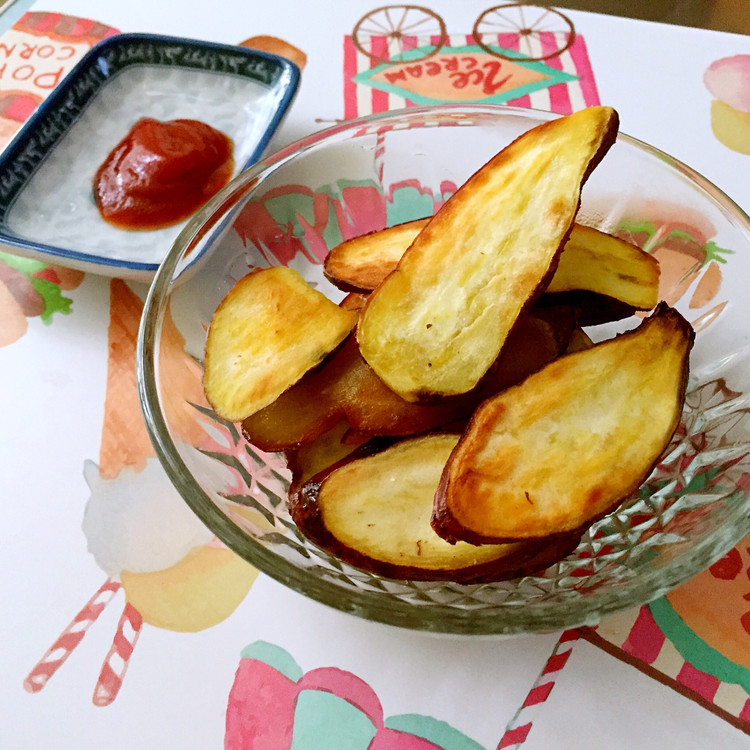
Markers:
192,582
35,54
728,81
523,55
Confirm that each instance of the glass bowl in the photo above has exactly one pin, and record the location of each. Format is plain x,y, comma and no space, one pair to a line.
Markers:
294,206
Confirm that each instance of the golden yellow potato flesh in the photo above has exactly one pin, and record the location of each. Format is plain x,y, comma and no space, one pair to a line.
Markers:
374,512
438,321
265,335
567,445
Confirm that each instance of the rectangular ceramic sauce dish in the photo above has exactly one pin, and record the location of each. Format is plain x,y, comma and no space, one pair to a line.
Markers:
47,209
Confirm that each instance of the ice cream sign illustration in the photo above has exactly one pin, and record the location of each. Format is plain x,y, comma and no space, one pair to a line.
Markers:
518,54
463,74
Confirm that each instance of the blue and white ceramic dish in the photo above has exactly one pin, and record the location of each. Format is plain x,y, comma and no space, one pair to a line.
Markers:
47,209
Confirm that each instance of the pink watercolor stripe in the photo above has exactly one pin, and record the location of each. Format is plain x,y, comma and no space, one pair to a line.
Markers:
82,27
699,682
556,662
513,42
350,70
379,99
409,43
116,662
48,21
538,694
582,64
645,639
63,647
515,737
559,97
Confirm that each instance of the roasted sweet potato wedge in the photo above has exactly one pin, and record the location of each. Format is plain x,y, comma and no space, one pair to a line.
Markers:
374,512
269,330
533,343
361,263
567,445
370,406
346,387
436,324
605,277
354,301
299,415
578,341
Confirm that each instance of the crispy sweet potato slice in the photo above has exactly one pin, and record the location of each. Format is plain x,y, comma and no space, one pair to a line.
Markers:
435,325
578,341
374,512
327,449
299,415
354,301
533,343
270,329
344,388
603,276
370,406
361,263
564,447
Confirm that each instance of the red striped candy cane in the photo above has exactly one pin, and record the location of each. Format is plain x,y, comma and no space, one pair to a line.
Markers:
520,725
116,662
63,647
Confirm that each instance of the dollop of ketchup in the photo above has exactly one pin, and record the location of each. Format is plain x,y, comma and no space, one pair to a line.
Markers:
162,172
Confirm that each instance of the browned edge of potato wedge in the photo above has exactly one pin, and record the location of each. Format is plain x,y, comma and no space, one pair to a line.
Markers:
436,324
569,444
373,511
268,331
329,448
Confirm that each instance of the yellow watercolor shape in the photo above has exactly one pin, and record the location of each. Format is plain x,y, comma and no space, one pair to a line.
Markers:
731,126
196,593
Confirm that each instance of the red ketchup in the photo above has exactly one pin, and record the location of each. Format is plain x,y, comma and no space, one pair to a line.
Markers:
161,173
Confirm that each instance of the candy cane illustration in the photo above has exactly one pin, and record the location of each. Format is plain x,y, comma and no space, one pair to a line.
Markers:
519,726
63,647
116,662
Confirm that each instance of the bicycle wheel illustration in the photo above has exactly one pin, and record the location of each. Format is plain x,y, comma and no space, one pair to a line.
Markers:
400,25
529,23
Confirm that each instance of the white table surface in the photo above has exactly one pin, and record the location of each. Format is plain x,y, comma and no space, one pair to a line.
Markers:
177,684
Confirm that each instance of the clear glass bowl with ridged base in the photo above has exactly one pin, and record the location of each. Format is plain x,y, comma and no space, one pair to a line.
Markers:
294,206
